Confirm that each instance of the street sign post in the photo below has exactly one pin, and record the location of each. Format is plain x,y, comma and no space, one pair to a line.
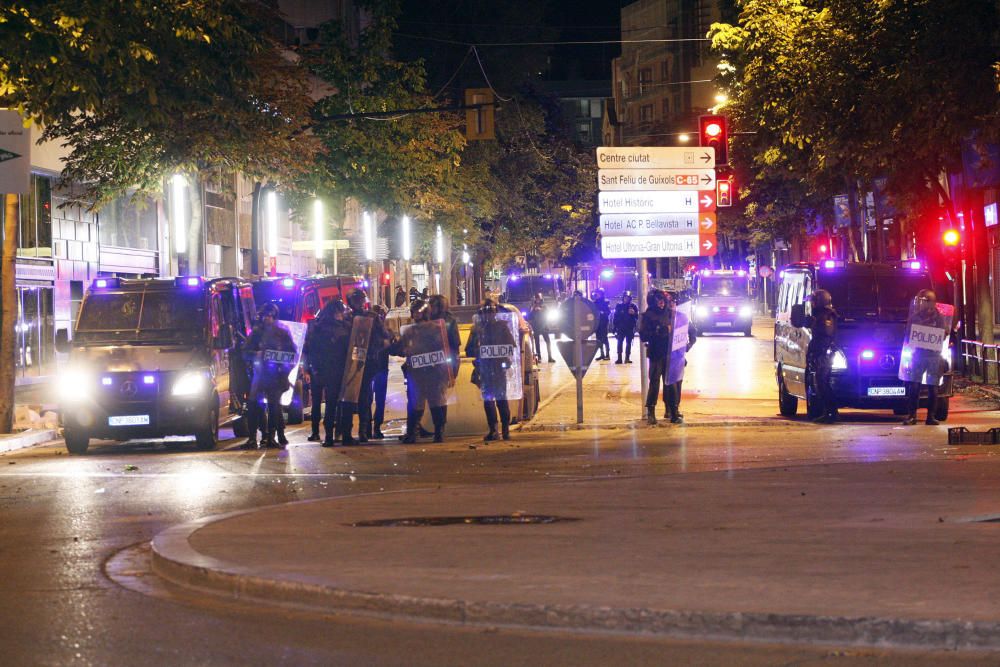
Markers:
654,157
579,318
656,179
675,245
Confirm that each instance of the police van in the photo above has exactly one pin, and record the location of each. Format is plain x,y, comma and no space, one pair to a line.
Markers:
872,302
150,358
722,301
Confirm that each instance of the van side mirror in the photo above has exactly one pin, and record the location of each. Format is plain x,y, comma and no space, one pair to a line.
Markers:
799,315
62,341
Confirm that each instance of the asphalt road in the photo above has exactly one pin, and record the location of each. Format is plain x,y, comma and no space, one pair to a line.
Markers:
62,518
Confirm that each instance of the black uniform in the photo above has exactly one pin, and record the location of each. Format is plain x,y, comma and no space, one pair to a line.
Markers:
270,379
326,352
823,326
492,373
656,330
540,331
625,319
601,332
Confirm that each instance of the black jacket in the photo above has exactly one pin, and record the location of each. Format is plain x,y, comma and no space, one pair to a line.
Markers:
326,348
656,329
603,316
626,317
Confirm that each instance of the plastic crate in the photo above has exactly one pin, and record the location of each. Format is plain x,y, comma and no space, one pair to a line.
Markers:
959,435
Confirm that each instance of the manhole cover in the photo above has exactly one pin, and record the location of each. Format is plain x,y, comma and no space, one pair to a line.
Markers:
488,520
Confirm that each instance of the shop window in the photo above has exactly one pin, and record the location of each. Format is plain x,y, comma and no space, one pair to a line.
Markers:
35,226
125,223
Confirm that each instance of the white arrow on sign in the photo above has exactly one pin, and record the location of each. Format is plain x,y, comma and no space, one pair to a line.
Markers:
707,223
706,201
707,245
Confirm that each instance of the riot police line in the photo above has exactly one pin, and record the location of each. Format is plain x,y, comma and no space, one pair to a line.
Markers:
345,353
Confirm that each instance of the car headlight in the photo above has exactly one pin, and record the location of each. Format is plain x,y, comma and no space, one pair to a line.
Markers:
701,311
189,383
746,311
838,361
552,315
75,385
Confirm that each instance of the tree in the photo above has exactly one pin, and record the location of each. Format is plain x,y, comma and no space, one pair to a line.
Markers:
140,89
822,95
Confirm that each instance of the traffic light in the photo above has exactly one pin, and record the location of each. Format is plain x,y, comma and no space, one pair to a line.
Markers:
724,193
951,248
713,131
951,238
386,278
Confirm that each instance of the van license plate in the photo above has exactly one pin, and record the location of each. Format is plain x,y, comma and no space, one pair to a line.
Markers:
129,420
887,391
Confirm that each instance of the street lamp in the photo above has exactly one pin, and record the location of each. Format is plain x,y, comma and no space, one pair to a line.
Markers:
405,233
318,227
272,227
369,232
177,185
683,137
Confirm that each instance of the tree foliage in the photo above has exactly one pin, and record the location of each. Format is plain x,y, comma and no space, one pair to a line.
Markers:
140,88
822,93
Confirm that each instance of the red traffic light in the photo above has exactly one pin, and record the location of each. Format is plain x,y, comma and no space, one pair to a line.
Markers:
724,193
713,132
951,238
822,248
386,277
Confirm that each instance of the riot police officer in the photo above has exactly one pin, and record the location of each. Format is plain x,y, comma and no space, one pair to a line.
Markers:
922,363
325,353
540,328
656,330
428,370
625,319
603,322
267,344
493,345
819,354
369,340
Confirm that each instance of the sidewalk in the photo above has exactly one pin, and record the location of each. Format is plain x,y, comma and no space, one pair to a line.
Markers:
873,554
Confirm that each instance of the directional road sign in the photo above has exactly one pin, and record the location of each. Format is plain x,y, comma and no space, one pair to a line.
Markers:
654,157
653,224
686,201
656,179
637,247
15,154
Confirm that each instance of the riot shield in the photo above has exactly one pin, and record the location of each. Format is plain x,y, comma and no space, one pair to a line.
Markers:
498,358
357,357
298,332
429,377
682,319
925,345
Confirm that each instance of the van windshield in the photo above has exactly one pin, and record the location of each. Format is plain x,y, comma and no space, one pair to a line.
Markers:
160,316
885,297
281,296
722,286
524,288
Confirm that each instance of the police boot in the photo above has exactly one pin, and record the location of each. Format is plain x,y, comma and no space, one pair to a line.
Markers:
251,443
377,432
651,415
910,420
413,418
268,442
438,416
345,430
282,440
505,429
328,441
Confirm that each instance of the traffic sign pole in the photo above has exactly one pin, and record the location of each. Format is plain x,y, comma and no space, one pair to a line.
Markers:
643,291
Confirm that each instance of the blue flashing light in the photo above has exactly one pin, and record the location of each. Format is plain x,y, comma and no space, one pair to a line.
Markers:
608,273
915,265
868,355
106,381
148,379
548,276
290,282
106,283
187,281
513,278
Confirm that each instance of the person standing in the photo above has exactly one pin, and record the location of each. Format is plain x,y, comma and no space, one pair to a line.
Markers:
603,321
380,381
922,363
682,343
819,355
428,371
268,348
438,310
325,354
375,340
656,330
625,319
539,328
493,345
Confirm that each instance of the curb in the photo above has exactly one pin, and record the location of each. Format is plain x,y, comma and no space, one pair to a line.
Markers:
174,560
10,443
639,424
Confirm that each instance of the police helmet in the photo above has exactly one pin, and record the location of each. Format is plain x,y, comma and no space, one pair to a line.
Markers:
356,299
626,295
490,306
654,296
926,295
417,306
822,299
331,308
268,310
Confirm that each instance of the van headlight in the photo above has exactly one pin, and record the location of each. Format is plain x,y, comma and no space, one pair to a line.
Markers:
701,311
552,315
838,362
189,383
746,311
75,384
